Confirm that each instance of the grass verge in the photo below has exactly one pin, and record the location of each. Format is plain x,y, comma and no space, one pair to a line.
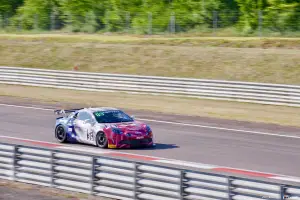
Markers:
172,40
25,191
195,57
170,105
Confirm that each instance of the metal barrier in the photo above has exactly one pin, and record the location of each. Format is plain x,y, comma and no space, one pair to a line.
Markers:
124,179
276,94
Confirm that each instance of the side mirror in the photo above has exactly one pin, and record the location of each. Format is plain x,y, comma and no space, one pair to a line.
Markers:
133,117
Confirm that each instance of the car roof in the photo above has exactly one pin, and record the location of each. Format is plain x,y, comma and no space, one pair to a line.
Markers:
101,109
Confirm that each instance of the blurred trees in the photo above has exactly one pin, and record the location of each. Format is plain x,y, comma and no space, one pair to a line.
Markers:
9,7
155,15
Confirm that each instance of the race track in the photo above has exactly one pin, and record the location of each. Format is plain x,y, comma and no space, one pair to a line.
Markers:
238,145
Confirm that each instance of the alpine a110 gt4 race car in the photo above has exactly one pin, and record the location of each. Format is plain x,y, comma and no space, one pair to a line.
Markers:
102,127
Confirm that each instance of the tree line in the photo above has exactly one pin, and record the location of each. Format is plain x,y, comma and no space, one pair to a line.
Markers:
246,16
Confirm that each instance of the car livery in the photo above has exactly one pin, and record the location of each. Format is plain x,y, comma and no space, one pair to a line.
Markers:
102,127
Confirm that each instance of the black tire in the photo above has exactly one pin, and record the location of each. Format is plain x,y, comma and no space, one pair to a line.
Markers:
61,134
101,140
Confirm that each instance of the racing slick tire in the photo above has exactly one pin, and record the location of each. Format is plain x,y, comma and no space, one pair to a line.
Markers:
102,140
61,134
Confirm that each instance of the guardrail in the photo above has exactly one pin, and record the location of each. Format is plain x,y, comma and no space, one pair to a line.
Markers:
276,94
125,179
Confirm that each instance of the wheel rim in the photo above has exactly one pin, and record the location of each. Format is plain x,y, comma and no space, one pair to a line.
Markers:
60,133
101,139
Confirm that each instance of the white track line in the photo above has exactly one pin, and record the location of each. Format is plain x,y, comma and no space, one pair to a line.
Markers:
186,164
224,129
178,123
27,107
28,140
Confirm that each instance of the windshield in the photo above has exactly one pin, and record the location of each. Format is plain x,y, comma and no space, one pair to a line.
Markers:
112,116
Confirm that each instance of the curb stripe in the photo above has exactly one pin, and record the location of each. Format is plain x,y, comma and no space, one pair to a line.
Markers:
187,164
243,172
292,179
36,142
138,157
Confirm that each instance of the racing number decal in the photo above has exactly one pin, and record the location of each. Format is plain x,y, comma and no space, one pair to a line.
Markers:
90,136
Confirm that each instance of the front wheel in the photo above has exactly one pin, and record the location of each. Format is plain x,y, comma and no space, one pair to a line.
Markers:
101,140
61,134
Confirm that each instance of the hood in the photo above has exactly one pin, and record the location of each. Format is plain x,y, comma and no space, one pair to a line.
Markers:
129,127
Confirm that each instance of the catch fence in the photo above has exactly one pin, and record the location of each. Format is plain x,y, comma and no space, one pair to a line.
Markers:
203,22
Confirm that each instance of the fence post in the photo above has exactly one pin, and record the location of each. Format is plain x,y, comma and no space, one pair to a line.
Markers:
172,23
149,23
1,21
182,186
15,162
135,184
93,174
107,23
52,163
259,23
229,185
282,192
6,20
52,21
36,21
215,21
127,21
69,22
20,25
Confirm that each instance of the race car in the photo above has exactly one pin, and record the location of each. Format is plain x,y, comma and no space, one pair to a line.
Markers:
103,127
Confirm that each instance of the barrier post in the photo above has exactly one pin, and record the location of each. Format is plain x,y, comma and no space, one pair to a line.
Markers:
93,175
135,181
282,192
182,186
15,162
229,185
52,168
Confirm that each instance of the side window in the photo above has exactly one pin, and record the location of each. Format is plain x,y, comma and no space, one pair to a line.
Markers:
83,116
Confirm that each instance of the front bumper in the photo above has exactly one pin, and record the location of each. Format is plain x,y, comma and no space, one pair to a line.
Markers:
133,143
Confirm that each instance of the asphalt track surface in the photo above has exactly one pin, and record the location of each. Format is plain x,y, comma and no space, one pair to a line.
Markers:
250,146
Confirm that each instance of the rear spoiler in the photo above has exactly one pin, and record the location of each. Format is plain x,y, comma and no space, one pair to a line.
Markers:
62,111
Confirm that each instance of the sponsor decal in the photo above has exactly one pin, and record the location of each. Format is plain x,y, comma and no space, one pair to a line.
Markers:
112,146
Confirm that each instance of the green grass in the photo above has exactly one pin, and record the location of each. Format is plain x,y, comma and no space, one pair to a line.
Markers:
274,60
172,40
36,191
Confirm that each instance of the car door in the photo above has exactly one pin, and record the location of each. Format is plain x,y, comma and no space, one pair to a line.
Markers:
83,127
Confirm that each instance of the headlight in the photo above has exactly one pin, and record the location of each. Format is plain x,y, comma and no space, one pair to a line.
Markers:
148,129
116,131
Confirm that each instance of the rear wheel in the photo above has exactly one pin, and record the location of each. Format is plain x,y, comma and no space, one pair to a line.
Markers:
61,134
101,140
